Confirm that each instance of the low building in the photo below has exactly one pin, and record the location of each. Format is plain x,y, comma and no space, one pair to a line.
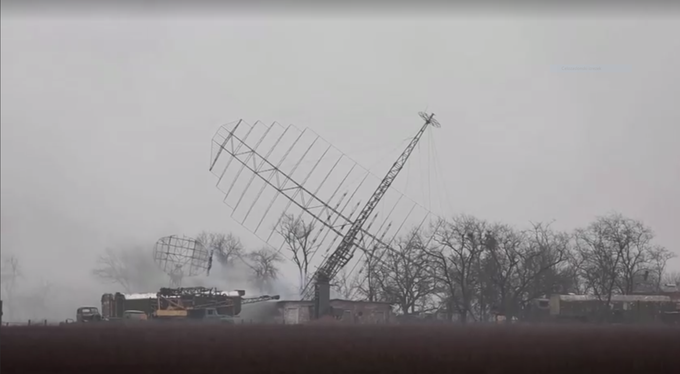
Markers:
673,291
537,311
293,312
624,308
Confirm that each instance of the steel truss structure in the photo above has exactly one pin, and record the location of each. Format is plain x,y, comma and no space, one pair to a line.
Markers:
333,207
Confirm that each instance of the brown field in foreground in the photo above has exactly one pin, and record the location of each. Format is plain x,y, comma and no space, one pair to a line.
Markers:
339,349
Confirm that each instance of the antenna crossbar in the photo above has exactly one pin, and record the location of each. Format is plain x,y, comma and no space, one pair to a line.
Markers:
288,187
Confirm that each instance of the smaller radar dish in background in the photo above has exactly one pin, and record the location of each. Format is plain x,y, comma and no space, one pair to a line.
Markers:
181,257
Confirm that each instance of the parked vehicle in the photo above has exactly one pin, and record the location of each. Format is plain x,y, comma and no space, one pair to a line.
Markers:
88,314
135,315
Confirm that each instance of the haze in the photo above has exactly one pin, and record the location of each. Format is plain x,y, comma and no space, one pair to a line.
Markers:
107,122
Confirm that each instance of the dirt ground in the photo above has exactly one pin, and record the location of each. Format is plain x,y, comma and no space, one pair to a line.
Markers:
338,349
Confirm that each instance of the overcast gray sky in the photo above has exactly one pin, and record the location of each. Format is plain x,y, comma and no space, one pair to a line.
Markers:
107,123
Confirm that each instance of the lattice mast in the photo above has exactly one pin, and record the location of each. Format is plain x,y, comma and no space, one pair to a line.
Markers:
345,250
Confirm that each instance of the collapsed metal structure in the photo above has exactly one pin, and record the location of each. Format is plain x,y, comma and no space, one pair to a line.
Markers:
354,232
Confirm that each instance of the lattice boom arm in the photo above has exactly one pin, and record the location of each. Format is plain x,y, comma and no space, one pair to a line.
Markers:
338,259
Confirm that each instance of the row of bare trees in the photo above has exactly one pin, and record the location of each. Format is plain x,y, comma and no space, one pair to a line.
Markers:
471,268
465,266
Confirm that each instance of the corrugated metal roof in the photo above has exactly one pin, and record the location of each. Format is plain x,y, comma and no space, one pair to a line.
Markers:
616,298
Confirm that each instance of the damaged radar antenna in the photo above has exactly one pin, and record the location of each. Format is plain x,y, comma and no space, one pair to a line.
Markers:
181,257
269,173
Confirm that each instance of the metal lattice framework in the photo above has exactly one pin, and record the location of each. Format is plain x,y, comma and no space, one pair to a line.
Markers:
345,250
181,257
299,173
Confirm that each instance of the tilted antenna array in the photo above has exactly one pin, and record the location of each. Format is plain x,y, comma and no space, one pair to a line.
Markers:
331,214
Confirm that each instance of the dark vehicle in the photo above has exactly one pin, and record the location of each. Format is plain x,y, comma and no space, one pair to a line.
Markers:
129,316
210,315
88,314
135,315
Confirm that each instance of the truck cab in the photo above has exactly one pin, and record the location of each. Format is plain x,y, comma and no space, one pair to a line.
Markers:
88,314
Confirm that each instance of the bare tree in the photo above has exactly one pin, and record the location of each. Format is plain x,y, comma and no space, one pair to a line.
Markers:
500,264
345,285
405,275
112,268
264,265
367,282
671,278
524,265
617,256
297,236
455,259
10,274
625,252
658,259
632,240
130,268
598,261
573,270
546,268
226,247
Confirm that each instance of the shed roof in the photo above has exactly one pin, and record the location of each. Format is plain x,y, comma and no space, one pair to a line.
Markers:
615,298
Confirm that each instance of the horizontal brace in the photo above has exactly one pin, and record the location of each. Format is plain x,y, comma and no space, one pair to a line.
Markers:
241,153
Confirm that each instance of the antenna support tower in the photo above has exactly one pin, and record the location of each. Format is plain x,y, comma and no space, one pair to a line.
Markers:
345,250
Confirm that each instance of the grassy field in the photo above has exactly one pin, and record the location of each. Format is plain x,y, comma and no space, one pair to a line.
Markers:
338,349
